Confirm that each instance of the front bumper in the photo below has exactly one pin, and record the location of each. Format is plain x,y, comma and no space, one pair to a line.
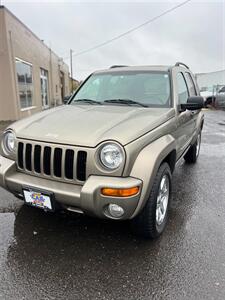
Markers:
85,199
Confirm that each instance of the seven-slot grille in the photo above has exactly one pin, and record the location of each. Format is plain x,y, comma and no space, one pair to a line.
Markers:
57,162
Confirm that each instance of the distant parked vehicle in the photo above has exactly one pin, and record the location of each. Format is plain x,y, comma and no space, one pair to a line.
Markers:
206,92
213,96
220,98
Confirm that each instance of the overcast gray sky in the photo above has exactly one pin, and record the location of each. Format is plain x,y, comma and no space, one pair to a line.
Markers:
194,33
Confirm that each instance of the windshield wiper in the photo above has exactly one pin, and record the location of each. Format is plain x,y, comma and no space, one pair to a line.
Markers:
125,101
87,101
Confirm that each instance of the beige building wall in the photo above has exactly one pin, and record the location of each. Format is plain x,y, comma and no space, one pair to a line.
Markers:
8,110
17,41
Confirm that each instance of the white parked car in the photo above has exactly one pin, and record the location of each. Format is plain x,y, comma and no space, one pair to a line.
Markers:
214,95
220,98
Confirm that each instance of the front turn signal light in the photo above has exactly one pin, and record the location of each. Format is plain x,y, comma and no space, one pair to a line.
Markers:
120,192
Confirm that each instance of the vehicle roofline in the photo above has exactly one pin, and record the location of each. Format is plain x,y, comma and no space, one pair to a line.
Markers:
135,68
159,68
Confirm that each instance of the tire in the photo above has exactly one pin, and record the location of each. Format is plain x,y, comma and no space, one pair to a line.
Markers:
145,224
192,155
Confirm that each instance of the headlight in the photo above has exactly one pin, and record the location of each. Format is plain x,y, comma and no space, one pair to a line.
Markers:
111,156
9,142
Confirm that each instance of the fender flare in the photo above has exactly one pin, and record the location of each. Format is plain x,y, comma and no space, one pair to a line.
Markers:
147,164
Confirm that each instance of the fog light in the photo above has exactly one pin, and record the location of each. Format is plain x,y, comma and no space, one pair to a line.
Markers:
115,210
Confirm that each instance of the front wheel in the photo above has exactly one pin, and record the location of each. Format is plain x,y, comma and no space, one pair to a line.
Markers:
151,222
192,155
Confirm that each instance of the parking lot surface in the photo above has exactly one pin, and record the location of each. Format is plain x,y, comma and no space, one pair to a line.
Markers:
61,256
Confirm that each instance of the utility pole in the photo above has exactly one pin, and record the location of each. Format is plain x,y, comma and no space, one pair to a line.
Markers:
71,63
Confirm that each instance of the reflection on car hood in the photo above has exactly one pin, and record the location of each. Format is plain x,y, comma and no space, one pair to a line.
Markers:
88,125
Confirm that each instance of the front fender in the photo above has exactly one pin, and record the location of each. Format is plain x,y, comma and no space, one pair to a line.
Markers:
147,164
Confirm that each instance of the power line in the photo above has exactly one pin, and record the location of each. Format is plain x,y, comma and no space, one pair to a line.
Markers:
131,30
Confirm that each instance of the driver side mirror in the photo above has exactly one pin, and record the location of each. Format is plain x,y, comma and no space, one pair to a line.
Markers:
193,103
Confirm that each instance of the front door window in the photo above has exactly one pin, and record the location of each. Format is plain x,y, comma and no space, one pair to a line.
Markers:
182,89
44,89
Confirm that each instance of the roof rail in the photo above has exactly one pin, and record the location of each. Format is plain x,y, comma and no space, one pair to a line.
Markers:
117,66
177,64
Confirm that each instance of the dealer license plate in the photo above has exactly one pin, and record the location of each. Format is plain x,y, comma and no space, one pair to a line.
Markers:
38,199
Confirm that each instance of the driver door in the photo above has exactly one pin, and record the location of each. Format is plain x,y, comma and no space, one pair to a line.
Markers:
185,120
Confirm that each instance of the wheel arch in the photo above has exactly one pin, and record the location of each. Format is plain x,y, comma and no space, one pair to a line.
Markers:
148,162
171,160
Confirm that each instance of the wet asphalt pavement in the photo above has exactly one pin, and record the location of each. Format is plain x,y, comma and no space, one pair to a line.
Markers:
45,256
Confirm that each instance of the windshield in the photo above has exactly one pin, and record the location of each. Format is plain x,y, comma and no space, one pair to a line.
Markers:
151,89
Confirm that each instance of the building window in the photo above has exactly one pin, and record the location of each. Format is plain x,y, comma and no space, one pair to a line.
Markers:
25,83
44,89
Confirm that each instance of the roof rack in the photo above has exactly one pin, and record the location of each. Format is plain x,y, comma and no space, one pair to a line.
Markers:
177,64
117,66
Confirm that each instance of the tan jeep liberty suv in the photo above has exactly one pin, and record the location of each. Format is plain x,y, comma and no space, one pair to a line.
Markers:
111,150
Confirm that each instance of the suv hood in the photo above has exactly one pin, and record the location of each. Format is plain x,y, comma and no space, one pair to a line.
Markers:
89,125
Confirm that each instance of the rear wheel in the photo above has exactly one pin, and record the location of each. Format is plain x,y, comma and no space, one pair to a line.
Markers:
151,222
192,155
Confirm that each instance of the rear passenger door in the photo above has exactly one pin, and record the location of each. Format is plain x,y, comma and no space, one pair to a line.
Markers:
185,121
